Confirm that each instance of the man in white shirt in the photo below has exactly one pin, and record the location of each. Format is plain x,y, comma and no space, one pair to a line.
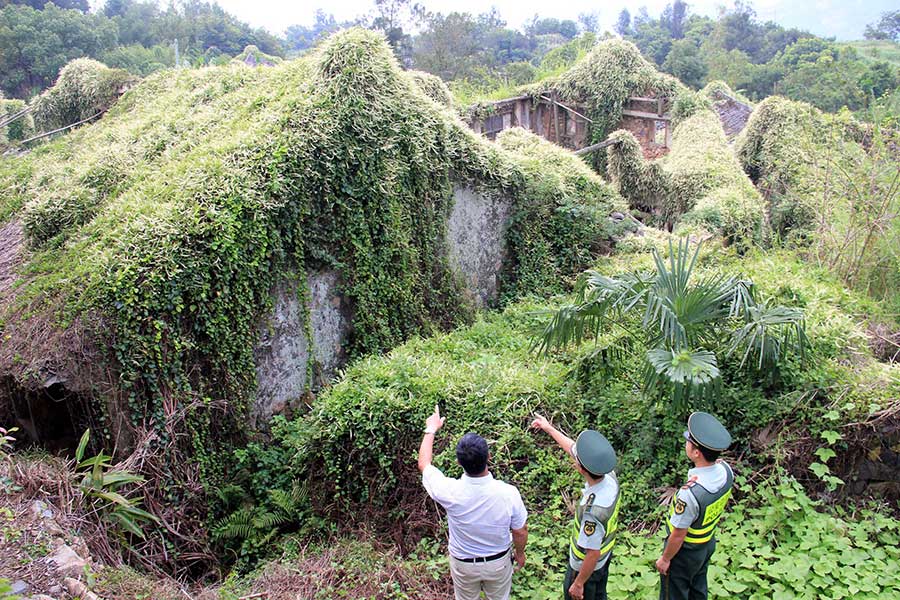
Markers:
485,517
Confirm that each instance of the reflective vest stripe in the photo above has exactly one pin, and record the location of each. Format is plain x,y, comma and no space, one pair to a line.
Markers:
610,535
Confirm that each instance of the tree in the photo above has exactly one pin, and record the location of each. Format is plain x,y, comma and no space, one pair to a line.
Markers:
36,44
299,37
623,23
685,63
673,18
684,326
449,47
887,28
564,27
81,5
590,22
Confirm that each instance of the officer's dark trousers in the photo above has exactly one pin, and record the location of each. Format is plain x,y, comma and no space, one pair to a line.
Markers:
687,573
594,587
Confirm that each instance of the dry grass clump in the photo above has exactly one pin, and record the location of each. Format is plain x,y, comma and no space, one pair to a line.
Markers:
84,88
350,569
433,86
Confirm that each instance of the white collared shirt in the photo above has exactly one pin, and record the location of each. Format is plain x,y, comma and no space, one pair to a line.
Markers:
480,511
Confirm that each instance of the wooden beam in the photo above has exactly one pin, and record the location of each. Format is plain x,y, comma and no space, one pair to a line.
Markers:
555,117
594,147
646,115
15,117
571,110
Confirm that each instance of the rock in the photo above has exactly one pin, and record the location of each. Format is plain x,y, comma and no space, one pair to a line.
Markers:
43,597
67,561
56,590
78,589
617,216
18,587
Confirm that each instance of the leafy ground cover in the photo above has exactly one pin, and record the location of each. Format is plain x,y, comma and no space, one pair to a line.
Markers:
356,446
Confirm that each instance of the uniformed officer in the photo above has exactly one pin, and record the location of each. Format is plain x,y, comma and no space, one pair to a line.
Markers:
597,515
695,511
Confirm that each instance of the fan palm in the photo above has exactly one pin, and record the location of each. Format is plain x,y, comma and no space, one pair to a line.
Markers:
687,323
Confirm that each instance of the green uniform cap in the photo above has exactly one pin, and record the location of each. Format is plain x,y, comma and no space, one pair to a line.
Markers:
594,452
705,430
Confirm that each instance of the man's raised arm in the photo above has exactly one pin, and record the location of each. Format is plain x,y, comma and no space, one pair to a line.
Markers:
432,424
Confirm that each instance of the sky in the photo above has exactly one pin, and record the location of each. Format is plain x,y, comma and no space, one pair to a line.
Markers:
842,19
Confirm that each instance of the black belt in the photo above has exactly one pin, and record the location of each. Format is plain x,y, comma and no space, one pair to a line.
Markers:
479,559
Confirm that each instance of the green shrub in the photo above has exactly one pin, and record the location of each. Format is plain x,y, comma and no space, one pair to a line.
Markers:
84,88
698,183
433,86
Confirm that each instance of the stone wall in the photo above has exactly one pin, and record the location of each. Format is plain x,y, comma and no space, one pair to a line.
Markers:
290,365
476,248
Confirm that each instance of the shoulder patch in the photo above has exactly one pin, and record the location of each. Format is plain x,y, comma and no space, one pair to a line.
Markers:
690,483
590,528
679,506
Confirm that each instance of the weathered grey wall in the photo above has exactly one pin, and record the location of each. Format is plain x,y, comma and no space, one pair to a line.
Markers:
283,351
476,241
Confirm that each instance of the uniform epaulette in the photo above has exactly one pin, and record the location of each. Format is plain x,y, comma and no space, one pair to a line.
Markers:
691,483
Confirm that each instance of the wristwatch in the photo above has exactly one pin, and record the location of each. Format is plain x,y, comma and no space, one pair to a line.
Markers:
428,430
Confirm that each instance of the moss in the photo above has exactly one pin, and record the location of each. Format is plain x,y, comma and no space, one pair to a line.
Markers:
433,86
84,88
698,183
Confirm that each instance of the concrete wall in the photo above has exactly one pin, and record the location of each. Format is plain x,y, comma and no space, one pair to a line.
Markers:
284,372
289,365
476,242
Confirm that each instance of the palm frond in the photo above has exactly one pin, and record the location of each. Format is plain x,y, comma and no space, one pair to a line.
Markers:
769,332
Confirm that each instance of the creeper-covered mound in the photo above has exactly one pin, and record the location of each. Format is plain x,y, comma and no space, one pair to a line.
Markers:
605,78
159,232
254,57
566,198
433,86
698,183
84,88
831,187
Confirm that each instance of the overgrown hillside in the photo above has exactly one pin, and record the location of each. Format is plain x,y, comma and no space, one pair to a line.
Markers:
156,235
832,187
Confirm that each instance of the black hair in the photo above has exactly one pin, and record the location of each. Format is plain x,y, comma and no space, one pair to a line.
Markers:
709,455
472,453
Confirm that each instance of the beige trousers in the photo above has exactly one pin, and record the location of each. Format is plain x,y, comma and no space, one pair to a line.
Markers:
494,578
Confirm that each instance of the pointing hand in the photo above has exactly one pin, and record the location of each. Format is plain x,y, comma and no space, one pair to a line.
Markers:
435,421
540,422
